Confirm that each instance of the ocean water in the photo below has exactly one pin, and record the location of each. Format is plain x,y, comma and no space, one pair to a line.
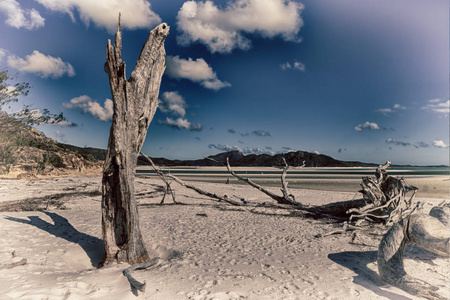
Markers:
261,173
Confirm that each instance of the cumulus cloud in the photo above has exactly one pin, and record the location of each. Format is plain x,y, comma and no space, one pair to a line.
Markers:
261,133
295,66
134,13
43,65
437,106
248,150
181,123
388,111
103,113
397,143
61,136
2,53
173,102
440,144
367,126
223,30
17,17
194,70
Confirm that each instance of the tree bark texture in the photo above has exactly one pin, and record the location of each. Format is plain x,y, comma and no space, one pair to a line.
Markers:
135,103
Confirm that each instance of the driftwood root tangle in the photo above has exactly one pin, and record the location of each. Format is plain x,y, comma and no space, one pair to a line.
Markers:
386,197
423,230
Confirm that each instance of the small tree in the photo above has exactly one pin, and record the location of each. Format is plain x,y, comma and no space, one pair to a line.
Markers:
11,92
135,103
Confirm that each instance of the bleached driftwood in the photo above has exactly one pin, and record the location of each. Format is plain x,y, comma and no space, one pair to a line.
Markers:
427,231
15,264
194,188
135,103
161,175
285,199
140,286
386,196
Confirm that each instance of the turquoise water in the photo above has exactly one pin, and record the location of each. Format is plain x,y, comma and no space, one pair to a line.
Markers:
305,172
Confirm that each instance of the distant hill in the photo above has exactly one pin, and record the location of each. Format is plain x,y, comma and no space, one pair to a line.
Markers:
24,151
261,160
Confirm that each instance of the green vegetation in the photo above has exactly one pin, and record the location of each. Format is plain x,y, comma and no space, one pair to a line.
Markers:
10,91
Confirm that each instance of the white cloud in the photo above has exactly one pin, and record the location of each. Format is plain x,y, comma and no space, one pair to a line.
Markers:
18,17
388,111
59,134
368,125
296,66
439,144
173,103
398,106
103,113
438,106
41,64
222,30
195,70
385,111
181,123
2,53
135,13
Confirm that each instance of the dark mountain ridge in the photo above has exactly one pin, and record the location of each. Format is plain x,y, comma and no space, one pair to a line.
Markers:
236,158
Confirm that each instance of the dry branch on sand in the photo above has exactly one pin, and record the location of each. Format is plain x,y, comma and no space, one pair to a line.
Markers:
190,186
168,189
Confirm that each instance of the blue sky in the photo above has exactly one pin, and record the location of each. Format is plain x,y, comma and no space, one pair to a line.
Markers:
356,80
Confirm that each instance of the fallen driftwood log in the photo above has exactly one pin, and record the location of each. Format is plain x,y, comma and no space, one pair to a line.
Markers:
192,187
287,198
430,232
15,264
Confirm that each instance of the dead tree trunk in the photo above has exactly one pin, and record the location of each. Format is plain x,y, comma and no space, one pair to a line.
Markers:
135,102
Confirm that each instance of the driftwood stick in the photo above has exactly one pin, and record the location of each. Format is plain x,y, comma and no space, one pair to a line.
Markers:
140,286
13,265
163,178
284,184
192,187
279,199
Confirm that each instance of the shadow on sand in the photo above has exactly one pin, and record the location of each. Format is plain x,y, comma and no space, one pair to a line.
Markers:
61,228
357,262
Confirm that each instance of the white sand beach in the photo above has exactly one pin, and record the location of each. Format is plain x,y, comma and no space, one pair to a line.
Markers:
209,249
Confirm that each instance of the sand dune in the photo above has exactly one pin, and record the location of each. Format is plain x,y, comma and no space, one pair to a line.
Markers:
210,250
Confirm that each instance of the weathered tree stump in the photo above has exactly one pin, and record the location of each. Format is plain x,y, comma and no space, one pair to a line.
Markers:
135,103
